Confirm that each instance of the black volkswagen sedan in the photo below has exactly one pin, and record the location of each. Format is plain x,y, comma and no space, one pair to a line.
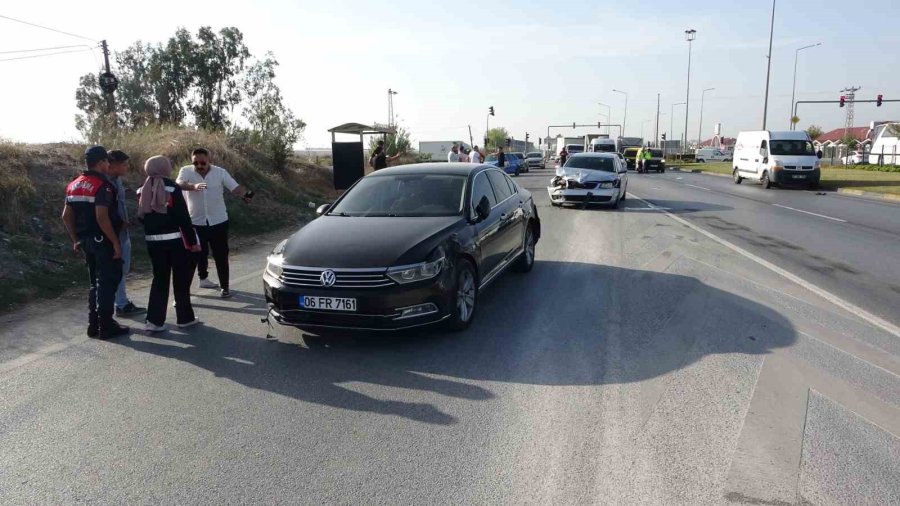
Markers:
404,247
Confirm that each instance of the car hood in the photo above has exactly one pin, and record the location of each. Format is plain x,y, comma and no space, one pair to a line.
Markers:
355,242
586,175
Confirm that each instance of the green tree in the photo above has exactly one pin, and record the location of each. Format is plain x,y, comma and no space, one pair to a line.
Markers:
92,121
273,126
814,132
399,142
496,137
894,129
217,63
850,141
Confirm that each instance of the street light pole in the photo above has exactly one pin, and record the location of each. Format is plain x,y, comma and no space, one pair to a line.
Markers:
608,115
625,116
700,129
656,136
690,35
794,88
391,94
672,120
769,68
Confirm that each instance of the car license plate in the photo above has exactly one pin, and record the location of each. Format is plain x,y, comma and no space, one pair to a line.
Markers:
328,303
799,176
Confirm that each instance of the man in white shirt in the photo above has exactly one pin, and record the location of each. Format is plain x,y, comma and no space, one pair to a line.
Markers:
205,185
476,155
453,155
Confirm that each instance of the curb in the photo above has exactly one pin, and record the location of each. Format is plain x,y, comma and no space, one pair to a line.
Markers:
872,195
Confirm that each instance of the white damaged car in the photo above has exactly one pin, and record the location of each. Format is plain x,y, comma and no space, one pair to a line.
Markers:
589,178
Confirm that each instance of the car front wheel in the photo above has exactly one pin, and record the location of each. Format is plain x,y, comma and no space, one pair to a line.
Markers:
526,260
465,298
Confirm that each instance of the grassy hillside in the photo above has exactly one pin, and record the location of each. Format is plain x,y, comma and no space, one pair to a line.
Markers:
35,254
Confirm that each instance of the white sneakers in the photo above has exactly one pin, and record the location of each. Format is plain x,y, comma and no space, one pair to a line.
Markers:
191,323
149,327
206,283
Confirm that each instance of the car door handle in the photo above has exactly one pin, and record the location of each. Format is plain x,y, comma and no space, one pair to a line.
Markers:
504,216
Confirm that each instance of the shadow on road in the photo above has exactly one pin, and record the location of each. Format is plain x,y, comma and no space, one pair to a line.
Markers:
563,324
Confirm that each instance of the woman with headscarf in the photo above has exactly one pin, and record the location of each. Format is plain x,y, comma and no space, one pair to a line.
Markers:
170,239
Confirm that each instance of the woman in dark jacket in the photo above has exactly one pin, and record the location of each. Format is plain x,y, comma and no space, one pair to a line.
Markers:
170,239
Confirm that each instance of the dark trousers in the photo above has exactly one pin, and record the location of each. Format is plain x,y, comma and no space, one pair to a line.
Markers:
105,275
215,238
172,263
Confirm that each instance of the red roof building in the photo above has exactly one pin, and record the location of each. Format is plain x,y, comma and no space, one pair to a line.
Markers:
860,134
718,142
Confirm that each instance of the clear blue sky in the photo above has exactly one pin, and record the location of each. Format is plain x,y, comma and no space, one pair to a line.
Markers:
537,63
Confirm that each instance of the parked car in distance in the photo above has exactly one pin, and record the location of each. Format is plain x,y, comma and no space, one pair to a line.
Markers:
711,155
771,157
630,155
589,178
854,158
404,247
535,160
513,164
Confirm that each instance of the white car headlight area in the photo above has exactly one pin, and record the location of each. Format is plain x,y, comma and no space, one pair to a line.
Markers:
275,260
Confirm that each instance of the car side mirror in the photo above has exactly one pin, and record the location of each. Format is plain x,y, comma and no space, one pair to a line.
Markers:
819,154
322,209
483,209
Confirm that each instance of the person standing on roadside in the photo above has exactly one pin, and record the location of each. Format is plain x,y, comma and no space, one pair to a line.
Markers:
464,155
91,218
563,156
501,157
476,155
170,236
118,168
380,159
206,185
453,155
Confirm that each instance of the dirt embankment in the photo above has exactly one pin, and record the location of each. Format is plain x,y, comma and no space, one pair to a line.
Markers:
35,255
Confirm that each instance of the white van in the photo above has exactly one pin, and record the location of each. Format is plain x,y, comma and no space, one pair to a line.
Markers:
886,148
603,146
783,158
712,155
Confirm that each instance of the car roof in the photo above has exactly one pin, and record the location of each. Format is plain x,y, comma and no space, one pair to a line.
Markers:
445,168
594,155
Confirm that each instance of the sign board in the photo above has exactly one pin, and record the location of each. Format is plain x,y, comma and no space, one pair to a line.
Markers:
718,129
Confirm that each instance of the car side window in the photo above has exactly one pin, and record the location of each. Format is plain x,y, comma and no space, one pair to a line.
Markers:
512,185
481,187
501,188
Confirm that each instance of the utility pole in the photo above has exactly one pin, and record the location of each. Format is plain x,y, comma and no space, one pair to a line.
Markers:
794,86
471,140
625,115
391,94
108,82
656,135
700,128
690,35
769,69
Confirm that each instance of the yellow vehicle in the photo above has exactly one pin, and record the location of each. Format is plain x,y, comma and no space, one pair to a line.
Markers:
630,155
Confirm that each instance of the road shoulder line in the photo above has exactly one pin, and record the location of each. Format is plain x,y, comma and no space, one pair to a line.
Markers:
830,297
811,213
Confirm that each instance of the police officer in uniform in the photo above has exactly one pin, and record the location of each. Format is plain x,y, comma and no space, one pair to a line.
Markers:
92,220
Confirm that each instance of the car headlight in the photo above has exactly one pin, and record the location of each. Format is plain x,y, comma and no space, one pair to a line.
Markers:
419,272
275,260
607,185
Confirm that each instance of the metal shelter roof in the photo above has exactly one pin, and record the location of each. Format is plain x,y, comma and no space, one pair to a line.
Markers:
360,129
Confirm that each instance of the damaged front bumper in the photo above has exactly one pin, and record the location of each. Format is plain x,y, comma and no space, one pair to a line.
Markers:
567,190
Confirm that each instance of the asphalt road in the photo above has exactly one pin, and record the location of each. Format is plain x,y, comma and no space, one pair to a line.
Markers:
639,362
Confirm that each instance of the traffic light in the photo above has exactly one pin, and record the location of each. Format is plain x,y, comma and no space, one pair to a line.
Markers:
491,111
843,99
664,136
508,141
878,101
526,137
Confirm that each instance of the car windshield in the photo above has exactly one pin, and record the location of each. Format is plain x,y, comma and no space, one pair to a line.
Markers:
520,156
604,164
792,148
409,195
533,155
491,158
632,152
656,153
575,149
604,148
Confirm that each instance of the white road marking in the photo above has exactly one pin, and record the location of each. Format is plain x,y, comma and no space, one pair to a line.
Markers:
814,214
695,186
821,292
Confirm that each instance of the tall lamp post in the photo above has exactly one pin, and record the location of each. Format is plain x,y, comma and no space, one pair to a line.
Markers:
689,35
391,94
769,68
672,121
794,88
700,129
608,114
624,116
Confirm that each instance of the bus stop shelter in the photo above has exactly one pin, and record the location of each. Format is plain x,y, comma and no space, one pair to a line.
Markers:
348,157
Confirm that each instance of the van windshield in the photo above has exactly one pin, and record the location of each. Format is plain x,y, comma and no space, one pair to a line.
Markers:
791,148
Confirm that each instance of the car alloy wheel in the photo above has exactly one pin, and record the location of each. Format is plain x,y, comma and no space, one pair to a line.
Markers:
466,297
526,259
737,177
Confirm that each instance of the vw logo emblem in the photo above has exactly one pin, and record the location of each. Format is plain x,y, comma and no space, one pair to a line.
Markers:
327,278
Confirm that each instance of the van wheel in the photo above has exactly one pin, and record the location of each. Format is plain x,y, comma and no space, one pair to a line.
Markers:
737,177
701,161
766,183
